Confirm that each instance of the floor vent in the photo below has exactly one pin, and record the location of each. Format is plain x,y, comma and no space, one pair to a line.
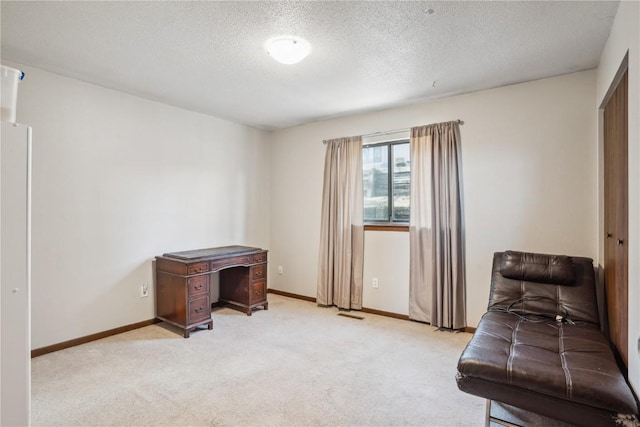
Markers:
353,316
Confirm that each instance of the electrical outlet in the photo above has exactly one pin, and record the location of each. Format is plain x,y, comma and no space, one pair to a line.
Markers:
374,283
144,290
280,270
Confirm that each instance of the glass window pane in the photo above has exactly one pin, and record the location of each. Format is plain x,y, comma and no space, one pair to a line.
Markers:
401,182
375,182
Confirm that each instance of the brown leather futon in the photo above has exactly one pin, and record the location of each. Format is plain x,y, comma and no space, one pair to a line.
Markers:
539,346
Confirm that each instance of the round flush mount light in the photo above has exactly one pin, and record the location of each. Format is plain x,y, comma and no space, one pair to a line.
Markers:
287,49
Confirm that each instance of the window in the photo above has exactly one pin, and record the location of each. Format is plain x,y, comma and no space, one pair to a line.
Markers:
386,173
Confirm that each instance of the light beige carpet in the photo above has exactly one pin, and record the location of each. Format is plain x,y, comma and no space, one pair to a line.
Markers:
293,365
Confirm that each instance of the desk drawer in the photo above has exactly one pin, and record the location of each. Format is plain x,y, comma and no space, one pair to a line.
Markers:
258,272
198,285
259,257
258,292
199,309
200,267
230,262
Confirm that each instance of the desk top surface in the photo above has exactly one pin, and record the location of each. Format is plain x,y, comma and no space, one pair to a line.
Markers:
212,252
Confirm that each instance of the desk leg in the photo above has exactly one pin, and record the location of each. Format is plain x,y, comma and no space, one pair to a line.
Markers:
266,306
187,333
249,311
210,325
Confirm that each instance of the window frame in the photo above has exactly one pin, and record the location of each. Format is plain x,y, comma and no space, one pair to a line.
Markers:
390,224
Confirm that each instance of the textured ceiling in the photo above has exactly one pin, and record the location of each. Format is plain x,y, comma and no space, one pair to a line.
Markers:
209,56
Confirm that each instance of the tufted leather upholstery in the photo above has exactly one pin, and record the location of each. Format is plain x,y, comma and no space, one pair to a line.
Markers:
576,301
554,269
521,355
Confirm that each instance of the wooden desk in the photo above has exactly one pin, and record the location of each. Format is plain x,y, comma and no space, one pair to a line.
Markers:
183,283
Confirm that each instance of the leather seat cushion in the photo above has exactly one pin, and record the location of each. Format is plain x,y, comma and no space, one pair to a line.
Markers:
569,362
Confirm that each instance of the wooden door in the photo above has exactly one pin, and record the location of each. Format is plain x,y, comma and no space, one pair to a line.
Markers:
616,220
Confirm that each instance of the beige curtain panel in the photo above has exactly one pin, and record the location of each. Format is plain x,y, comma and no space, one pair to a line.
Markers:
437,288
341,257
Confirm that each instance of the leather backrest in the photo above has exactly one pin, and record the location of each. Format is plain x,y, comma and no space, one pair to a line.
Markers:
542,284
539,268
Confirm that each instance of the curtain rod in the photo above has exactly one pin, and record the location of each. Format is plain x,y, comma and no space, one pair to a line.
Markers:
388,132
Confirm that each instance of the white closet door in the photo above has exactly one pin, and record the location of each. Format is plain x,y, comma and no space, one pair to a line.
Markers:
15,260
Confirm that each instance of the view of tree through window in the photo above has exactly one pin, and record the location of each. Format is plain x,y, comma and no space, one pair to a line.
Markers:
386,171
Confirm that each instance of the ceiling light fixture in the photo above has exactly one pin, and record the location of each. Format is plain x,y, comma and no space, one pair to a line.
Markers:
287,49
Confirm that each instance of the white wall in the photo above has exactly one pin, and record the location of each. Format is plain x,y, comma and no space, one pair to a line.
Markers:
118,180
530,182
387,259
625,37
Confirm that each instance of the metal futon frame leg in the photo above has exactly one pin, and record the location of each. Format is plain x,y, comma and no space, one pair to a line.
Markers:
489,419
